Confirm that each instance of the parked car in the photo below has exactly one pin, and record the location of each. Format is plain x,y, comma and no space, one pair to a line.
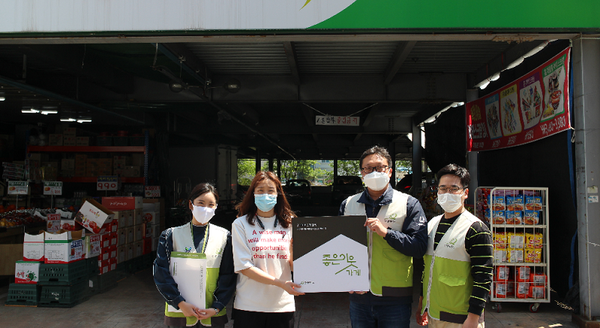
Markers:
298,191
345,186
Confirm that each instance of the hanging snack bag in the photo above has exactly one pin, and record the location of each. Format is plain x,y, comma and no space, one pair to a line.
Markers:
531,217
500,289
514,217
498,203
534,240
516,240
537,292
533,203
515,255
502,273
533,255
500,255
514,203
499,240
522,289
539,279
499,217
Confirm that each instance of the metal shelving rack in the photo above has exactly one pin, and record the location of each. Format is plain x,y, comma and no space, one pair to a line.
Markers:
517,277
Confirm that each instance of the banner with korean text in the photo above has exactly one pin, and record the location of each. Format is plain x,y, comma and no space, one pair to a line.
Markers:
533,107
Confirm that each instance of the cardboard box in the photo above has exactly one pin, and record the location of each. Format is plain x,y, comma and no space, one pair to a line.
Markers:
137,159
150,217
82,141
130,251
105,253
27,272
138,249
156,231
33,247
69,140
114,226
131,171
67,225
64,247
138,232
147,247
105,240
69,131
122,254
130,232
53,222
92,245
113,252
93,216
114,239
138,218
113,263
67,164
122,237
104,266
122,203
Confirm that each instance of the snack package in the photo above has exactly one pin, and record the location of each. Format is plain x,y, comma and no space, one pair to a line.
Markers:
487,214
498,203
523,274
537,292
500,289
522,289
539,279
515,255
514,217
531,217
534,240
510,289
533,255
502,273
516,240
499,240
533,203
514,203
499,217
500,255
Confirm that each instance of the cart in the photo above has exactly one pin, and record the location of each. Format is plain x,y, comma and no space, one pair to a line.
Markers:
518,218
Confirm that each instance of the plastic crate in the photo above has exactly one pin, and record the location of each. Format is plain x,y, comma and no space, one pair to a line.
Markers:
23,295
92,266
63,274
108,280
63,295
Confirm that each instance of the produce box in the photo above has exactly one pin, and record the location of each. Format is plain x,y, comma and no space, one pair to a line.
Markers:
33,247
27,272
92,216
122,203
92,246
64,247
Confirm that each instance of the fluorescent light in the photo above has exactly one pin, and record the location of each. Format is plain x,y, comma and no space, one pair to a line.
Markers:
515,63
68,120
495,77
84,121
46,112
2,98
484,84
29,111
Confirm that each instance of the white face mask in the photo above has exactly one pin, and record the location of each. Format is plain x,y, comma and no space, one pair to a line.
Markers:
203,214
376,181
449,202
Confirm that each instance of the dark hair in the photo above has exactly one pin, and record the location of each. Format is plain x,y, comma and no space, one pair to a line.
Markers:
283,210
456,170
376,150
201,189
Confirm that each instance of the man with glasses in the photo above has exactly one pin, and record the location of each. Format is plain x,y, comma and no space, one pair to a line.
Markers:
397,232
458,263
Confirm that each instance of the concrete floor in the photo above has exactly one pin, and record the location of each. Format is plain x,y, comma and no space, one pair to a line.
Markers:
135,302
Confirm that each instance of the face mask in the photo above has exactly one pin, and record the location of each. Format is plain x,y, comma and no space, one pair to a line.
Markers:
203,214
450,203
265,202
376,180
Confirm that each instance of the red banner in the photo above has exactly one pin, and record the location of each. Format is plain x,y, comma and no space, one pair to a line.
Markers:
531,108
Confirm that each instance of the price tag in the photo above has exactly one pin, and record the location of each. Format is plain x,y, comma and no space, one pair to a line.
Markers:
337,120
18,187
53,222
152,191
53,187
107,183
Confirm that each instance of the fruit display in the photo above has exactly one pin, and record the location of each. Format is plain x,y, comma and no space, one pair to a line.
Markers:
12,218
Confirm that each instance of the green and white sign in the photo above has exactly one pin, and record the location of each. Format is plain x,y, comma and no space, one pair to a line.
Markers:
53,188
18,187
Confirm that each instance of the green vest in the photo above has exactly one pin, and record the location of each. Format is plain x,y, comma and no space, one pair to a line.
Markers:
447,280
390,271
217,239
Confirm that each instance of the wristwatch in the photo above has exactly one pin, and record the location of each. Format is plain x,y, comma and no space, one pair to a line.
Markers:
216,311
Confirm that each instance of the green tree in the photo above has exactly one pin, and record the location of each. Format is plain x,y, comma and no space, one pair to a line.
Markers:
348,167
246,171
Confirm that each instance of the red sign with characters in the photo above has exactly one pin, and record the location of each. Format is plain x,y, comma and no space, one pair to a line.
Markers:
531,108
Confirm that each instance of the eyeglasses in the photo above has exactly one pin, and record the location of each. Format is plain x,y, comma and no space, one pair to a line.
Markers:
452,190
368,169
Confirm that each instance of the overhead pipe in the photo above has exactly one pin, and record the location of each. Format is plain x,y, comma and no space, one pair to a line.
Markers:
57,96
202,96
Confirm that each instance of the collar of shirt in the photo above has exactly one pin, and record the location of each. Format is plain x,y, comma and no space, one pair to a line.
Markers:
373,205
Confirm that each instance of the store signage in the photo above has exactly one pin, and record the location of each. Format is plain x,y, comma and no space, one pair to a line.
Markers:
53,222
106,183
53,188
152,191
337,120
18,187
533,107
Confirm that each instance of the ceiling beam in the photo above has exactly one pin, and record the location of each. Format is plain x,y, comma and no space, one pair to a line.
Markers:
190,59
290,53
400,55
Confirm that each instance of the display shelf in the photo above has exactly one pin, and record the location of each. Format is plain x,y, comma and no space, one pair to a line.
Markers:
94,179
87,149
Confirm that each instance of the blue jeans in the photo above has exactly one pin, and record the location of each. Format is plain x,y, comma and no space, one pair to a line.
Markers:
380,316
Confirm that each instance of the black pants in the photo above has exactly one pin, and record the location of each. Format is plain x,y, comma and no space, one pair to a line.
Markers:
247,319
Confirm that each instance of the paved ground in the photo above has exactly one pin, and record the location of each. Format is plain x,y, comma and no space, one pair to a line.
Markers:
135,302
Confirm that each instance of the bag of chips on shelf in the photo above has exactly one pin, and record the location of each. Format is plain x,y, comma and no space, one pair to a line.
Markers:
539,279
500,289
500,256
522,289
514,217
514,203
498,203
502,273
533,203
531,217
533,255
499,217
523,274
537,292
534,240
515,255
516,239
499,240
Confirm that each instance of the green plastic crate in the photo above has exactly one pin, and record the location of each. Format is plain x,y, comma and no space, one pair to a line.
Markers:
63,274
92,266
109,280
63,295
23,294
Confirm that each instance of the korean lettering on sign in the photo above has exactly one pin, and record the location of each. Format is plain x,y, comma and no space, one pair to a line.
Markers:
342,259
337,120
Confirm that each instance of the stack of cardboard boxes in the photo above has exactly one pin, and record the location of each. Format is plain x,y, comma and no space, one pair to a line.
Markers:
67,137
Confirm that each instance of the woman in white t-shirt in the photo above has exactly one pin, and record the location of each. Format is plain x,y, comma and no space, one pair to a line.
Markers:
262,255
